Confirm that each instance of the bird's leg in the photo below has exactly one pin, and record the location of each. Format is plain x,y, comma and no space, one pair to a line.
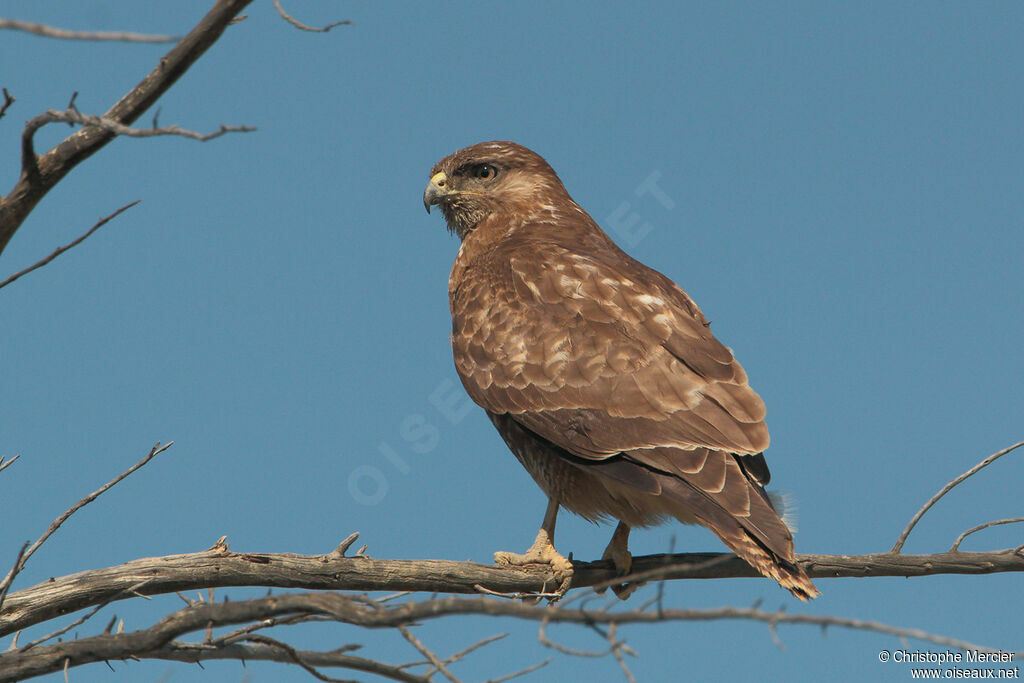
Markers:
618,552
542,551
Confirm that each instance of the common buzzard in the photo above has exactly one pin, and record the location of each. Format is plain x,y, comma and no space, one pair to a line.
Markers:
600,374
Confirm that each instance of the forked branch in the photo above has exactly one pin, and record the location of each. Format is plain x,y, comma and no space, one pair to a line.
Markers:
946,489
357,610
40,175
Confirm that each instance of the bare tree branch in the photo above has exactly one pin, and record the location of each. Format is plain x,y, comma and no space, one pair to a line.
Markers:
434,659
946,489
40,176
998,522
81,620
458,656
56,524
298,24
201,652
334,570
521,672
8,101
4,464
60,250
218,567
295,656
72,115
53,32
355,610
617,648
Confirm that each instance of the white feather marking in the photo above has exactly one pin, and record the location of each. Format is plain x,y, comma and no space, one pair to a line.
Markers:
570,285
557,357
649,300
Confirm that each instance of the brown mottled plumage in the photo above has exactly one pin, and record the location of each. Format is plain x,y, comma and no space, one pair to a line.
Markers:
601,375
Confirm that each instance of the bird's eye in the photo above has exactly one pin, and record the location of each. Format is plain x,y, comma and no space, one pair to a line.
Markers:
485,172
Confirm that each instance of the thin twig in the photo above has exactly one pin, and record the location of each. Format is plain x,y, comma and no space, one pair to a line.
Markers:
84,618
240,634
42,174
6,583
946,489
475,646
521,672
517,595
298,24
56,524
542,636
65,34
188,601
60,250
959,539
28,155
177,651
345,545
426,652
618,646
296,657
8,101
4,464
458,656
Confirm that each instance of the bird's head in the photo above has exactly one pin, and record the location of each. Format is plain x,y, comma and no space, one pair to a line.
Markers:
491,179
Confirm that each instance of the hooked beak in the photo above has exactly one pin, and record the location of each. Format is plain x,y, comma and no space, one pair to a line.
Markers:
436,190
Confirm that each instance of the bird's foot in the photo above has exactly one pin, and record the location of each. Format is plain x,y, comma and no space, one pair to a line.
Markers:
618,552
542,552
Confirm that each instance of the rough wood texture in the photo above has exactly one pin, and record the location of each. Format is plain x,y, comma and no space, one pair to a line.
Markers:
157,642
218,567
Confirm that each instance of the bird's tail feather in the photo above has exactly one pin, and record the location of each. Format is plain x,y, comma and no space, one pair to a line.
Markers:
713,487
744,541
788,574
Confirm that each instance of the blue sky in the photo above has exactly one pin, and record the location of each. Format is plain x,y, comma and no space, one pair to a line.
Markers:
844,187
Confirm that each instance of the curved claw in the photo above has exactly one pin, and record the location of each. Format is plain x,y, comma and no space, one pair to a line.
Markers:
541,552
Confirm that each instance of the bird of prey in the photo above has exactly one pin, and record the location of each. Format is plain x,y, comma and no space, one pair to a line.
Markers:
600,374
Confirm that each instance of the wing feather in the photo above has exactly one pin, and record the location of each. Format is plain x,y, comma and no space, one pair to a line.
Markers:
598,355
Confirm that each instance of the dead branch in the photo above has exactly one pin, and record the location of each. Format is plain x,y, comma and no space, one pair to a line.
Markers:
41,174
71,115
65,34
60,250
218,567
946,489
81,620
8,101
521,672
4,464
26,553
998,522
361,611
299,25
429,654
200,652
